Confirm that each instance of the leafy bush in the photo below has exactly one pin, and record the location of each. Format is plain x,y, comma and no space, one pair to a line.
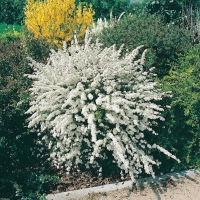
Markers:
103,8
164,42
37,48
57,20
184,117
87,103
11,11
22,173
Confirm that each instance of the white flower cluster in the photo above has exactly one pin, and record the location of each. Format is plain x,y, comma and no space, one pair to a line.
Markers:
88,101
103,23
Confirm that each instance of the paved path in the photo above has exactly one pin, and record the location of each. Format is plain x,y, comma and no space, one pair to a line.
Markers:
175,186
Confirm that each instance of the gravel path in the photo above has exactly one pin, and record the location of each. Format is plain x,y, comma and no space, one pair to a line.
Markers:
184,185
182,189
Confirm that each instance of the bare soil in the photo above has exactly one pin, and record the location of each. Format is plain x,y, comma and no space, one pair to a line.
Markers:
81,180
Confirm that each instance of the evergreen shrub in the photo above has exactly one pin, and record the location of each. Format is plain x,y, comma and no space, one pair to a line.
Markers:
163,42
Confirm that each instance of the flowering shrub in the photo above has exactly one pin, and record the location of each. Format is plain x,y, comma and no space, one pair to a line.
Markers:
87,101
57,20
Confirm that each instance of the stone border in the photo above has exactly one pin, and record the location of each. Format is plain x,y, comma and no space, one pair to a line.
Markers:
116,186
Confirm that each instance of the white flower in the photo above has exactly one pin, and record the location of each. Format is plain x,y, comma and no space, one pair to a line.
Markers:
90,96
83,96
98,101
87,100
91,159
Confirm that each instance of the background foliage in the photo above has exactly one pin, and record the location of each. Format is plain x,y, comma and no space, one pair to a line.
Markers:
169,10
22,174
11,11
183,13
103,8
163,42
184,121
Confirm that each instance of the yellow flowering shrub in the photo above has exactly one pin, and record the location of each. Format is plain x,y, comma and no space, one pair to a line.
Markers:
57,20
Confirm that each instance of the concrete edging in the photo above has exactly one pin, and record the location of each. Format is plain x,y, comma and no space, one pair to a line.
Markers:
116,186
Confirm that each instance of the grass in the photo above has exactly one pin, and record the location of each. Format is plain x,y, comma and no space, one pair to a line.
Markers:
10,32
94,196
4,28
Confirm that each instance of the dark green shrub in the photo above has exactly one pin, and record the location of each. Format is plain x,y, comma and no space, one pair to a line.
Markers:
184,117
103,8
170,11
163,42
174,136
23,175
136,7
11,11
38,49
